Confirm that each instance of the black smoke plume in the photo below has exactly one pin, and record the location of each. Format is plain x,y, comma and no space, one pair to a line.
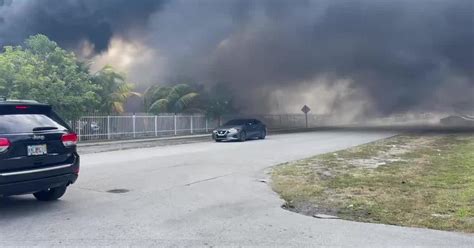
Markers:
346,56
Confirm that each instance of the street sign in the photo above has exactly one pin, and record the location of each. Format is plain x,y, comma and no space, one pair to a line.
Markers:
305,109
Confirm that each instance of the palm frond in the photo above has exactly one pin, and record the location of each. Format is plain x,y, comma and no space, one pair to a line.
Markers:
159,106
155,93
185,101
134,93
182,89
148,95
118,107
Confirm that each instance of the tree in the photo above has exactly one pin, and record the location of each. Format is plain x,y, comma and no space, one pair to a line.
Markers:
43,71
114,90
175,99
219,102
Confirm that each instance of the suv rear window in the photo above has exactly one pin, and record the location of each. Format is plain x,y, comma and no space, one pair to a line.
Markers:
24,123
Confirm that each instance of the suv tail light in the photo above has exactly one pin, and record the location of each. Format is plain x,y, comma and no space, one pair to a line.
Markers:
69,139
4,144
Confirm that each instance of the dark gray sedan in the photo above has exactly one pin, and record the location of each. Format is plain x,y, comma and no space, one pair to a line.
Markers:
240,130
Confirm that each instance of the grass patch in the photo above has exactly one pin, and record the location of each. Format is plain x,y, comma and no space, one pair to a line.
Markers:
408,180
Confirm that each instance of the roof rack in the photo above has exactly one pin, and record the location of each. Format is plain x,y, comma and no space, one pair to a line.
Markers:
3,99
24,101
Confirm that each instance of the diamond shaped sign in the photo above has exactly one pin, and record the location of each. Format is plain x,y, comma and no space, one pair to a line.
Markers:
305,109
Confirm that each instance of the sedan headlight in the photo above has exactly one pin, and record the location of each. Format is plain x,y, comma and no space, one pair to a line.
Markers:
234,130
214,131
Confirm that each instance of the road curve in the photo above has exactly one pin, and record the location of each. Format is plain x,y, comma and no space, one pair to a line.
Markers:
199,194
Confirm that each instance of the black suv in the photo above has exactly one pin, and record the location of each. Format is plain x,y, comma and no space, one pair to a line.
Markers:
37,151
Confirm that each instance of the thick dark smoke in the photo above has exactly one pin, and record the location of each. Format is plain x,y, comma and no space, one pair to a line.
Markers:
355,57
72,21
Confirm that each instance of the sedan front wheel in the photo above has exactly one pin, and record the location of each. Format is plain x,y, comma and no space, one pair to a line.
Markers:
243,136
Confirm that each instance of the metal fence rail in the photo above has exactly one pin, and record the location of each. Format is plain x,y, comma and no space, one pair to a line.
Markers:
127,126
285,121
105,127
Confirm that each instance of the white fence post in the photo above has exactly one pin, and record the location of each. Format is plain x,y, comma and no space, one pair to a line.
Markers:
175,126
133,126
108,126
207,125
191,124
156,125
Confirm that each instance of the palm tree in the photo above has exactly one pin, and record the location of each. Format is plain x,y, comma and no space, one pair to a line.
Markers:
114,89
175,99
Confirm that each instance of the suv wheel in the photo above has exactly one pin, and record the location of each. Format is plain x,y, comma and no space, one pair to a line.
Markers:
51,194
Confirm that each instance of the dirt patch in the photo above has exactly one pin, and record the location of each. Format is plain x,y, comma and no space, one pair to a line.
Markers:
384,152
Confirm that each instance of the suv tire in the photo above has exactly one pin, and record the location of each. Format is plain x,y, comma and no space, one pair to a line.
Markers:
50,194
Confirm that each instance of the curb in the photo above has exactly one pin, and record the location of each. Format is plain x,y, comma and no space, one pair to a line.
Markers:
88,144
131,141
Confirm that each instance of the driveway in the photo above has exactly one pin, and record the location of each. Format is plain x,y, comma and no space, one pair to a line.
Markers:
198,194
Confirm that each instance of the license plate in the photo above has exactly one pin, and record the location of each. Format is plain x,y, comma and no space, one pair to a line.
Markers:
37,150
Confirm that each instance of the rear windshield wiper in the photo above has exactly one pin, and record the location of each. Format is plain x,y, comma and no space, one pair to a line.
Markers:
36,129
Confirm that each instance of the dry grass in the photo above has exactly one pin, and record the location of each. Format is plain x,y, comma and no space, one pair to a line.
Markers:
408,180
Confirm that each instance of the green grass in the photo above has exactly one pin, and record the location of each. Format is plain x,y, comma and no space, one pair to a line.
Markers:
419,180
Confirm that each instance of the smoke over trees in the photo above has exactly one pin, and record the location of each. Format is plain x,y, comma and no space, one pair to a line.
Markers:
359,57
41,70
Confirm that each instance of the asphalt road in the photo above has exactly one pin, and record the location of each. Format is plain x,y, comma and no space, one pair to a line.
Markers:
199,194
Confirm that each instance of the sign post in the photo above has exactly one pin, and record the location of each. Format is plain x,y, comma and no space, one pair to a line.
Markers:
306,110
